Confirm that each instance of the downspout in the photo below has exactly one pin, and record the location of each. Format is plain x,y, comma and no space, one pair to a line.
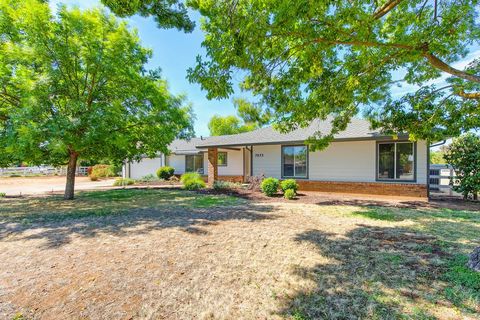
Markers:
243,162
437,144
251,160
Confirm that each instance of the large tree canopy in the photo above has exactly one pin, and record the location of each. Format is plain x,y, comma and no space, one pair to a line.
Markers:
249,117
312,59
220,126
167,13
74,86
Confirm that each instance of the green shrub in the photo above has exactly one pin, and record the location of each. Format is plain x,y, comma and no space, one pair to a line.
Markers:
165,173
189,176
192,181
3,194
93,178
103,171
123,182
225,185
289,184
289,194
269,186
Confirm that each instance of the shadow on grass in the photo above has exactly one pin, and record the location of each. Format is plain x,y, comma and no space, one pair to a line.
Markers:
446,225
380,273
120,213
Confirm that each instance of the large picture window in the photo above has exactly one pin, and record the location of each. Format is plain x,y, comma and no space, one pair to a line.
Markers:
396,161
194,163
294,161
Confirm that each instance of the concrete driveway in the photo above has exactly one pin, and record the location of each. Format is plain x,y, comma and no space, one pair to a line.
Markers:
39,185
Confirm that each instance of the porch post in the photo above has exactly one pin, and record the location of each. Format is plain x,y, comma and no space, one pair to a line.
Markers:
212,166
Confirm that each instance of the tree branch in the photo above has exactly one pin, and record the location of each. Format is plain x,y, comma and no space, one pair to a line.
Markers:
439,64
467,95
365,43
434,61
386,8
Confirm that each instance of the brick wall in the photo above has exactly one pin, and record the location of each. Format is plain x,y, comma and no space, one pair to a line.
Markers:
212,169
238,179
380,188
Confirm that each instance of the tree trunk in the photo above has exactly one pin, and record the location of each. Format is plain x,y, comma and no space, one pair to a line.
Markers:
475,195
72,167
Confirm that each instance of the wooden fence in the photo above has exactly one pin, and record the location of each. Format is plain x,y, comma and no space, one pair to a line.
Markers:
39,171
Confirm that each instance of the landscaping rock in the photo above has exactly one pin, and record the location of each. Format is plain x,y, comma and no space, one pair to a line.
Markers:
474,260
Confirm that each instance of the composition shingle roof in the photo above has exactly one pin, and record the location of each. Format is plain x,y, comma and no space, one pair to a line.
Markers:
181,146
357,129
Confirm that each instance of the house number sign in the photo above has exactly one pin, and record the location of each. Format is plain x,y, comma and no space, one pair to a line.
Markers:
258,155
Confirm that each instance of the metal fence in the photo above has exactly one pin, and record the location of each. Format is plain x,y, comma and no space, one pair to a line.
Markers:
439,178
39,171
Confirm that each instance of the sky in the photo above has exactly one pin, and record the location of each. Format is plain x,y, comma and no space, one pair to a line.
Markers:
175,51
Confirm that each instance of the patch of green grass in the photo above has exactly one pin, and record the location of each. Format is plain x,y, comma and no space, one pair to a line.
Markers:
106,203
379,213
454,214
392,258
464,289
19,316
214,201
299,315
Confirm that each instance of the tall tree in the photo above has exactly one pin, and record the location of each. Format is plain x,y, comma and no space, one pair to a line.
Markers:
251,113
312,59
220,126
74,86
249,117
464,157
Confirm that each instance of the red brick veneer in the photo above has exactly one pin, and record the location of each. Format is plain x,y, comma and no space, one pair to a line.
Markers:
381,188
238,179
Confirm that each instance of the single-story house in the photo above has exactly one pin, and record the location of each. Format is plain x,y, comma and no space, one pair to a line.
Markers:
358,160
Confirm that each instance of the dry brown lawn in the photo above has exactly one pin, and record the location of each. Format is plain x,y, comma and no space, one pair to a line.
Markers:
171,254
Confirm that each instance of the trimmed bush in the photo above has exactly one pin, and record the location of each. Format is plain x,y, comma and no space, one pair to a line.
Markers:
103,171
165,173
192,181
289,184
289,194
123,182
3,194
269,186
93,178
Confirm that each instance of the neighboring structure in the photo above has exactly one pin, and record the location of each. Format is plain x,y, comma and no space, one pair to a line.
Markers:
440,175
357,161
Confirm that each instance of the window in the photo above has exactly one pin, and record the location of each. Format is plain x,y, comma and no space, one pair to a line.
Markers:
294,161
396,161
222,159
194,163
